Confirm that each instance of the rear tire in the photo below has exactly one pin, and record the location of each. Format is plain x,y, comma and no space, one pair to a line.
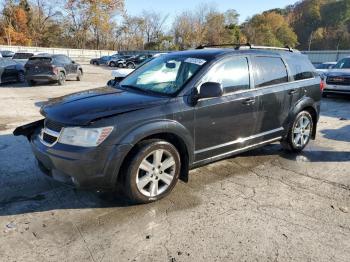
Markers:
61,79
324,95
300,133
152,172
130,65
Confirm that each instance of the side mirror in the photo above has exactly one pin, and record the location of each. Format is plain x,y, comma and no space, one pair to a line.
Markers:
73,62
210,89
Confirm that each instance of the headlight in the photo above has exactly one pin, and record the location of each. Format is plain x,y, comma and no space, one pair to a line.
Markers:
84,137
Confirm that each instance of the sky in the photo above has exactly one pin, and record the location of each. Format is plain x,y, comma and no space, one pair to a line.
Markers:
246,8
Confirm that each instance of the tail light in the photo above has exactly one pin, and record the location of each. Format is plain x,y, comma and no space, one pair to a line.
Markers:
322,85
55,70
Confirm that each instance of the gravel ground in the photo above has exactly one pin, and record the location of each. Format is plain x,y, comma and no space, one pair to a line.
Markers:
265,205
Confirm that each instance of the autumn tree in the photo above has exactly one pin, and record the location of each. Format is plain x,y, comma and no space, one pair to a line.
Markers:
14,23
270,29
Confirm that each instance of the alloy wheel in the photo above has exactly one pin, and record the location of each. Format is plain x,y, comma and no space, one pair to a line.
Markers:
156,173
302,131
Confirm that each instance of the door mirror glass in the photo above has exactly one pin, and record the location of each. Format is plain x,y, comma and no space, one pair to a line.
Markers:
210,89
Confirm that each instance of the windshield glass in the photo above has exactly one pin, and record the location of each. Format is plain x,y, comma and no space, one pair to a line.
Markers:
343,64
164,75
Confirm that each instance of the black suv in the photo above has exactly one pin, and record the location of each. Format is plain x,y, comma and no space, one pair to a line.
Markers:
177,112
56,68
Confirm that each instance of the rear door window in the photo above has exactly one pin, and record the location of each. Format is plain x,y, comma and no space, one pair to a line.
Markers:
232,73
269,71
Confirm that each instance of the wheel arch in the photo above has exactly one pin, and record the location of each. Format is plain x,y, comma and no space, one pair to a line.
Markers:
305,104
171,132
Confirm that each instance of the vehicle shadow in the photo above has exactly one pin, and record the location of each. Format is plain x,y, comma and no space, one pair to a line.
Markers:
342,134
336,106
310,154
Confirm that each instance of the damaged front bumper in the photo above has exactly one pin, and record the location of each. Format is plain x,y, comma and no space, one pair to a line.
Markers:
88,168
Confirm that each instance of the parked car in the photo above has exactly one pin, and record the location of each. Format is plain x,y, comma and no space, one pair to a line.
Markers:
7,54
121,73
147,132
55,68
118,75
11,71
323,68
134,62
100,61
22,57
337,79
118,61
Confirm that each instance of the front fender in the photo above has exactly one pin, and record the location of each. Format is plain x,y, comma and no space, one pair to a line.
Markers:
160,127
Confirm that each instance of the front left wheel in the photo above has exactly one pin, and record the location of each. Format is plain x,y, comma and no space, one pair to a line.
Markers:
152,172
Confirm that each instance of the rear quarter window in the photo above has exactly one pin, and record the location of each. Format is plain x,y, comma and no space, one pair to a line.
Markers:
22,55
269,71
301,68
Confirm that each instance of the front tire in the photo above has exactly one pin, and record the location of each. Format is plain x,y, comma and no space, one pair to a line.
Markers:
21,77
112,64
61,79
79,75
153,171
300,133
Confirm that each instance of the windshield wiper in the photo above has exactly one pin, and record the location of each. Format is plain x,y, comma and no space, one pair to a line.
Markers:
147,91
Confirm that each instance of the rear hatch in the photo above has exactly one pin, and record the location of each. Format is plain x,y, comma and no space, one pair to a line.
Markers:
39,65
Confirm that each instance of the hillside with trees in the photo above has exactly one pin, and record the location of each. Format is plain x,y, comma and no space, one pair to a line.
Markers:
105,24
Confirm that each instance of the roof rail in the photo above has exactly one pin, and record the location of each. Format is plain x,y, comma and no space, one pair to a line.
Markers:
249,46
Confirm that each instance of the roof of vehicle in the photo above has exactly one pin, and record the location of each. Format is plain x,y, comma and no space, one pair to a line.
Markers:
28,52
211,53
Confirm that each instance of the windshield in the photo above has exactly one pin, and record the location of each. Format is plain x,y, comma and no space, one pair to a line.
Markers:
343,64
164,75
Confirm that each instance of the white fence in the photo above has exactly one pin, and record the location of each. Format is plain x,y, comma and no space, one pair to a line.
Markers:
319,57
77,54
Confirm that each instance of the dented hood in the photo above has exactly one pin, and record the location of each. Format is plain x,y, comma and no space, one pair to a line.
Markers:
84,107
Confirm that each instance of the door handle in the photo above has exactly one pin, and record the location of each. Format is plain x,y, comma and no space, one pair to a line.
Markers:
292,92
249,101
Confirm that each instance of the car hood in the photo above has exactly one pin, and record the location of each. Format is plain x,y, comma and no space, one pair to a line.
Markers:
84,107
338,72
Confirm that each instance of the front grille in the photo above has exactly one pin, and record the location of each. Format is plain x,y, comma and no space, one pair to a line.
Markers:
49,139
54,126
51,132
338,80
